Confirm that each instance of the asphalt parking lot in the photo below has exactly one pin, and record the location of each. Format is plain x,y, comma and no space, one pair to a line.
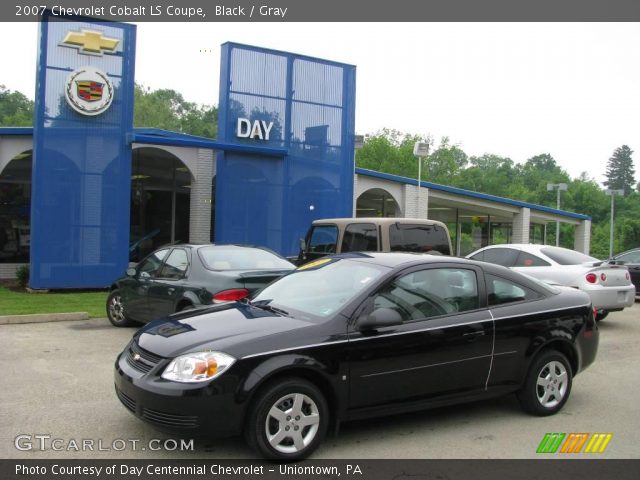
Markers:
57,382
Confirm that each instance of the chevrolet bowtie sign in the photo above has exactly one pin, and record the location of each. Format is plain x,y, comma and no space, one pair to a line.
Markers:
257,129
90,42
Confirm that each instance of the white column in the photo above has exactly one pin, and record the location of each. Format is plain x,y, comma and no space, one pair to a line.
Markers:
520,226
582,237
411,208
200,213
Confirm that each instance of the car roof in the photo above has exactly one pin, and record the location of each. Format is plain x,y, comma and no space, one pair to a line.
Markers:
395,259
379,221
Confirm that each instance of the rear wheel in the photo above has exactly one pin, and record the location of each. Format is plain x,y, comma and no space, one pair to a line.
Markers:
548,384
115,310
288,420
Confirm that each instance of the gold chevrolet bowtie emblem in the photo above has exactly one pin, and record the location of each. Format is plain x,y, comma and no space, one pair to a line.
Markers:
90,42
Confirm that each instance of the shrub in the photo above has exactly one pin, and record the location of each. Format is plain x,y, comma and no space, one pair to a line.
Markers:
22,274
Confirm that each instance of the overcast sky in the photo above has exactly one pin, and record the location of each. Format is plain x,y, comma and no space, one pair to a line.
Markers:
512,89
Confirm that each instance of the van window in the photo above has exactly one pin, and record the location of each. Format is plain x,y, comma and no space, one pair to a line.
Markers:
418,238
323,239
360,237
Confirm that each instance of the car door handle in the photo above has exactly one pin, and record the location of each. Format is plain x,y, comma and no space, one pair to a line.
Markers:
171,290
473,336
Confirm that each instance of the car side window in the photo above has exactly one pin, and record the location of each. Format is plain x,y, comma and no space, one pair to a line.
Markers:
430,293
150,265
499,256
526,259
360,237
631,257
323,239
175,266
501,291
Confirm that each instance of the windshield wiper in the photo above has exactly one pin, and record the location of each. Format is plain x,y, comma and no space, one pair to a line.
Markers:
264,305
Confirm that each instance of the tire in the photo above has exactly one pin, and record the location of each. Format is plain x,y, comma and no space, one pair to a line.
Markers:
279,429
601,316
115,310
547,385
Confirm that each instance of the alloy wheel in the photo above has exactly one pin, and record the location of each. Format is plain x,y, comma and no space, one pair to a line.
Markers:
552,384
292,423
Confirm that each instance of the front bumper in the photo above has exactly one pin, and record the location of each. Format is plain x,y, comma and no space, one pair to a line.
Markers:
210,409
611,298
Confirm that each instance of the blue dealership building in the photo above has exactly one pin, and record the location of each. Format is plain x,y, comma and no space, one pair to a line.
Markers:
83,193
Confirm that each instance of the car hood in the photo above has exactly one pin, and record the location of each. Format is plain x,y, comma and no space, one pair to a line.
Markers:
230,328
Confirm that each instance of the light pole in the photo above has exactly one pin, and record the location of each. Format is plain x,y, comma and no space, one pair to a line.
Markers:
612,194
420,150
561,187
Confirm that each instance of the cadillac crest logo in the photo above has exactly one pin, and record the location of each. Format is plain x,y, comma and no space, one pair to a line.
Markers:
89,91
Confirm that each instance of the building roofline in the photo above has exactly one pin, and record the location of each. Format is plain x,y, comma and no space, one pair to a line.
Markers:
470,193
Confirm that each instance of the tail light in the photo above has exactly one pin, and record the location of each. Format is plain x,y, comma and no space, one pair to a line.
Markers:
626,275
603,277
231,295
591,277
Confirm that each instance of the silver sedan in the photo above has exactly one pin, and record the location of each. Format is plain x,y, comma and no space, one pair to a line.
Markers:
609,286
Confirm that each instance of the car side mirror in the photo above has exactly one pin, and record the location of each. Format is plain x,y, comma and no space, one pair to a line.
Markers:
303,245
382,317
131,272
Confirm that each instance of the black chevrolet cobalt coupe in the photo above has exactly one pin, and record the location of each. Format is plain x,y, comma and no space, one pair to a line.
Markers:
354,336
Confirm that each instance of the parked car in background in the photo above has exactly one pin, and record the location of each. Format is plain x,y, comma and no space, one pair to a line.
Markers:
182,277
376,234
630,259
609,286
353,336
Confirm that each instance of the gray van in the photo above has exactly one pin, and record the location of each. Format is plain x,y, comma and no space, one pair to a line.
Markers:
339,235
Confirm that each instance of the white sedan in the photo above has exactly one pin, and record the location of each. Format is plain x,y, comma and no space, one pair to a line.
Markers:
609,286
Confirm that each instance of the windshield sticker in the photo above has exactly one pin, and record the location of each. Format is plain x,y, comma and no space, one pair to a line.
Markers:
316,263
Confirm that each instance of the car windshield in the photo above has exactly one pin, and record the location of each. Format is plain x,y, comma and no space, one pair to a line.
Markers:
564,256
241,258
320,288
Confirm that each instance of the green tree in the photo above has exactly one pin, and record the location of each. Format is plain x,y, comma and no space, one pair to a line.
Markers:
391,151
168,110
16,110
620,172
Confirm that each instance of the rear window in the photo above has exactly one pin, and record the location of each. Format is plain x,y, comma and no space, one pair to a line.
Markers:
234,258
360,237
564,256
418,238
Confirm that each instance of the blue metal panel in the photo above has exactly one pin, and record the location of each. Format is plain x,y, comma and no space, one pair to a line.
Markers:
469,193
272,201
81,164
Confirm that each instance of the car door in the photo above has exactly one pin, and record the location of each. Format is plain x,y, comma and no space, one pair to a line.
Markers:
168,285
515,316
442,347
134,289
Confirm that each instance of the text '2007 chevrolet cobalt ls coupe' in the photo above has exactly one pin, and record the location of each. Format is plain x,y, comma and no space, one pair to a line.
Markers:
353,336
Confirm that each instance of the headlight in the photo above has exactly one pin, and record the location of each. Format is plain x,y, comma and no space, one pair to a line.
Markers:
197,367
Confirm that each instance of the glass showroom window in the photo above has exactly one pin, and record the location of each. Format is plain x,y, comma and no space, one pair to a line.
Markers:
15,210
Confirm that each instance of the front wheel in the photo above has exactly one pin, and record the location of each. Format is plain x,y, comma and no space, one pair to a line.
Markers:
288,420
115,310
548,384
